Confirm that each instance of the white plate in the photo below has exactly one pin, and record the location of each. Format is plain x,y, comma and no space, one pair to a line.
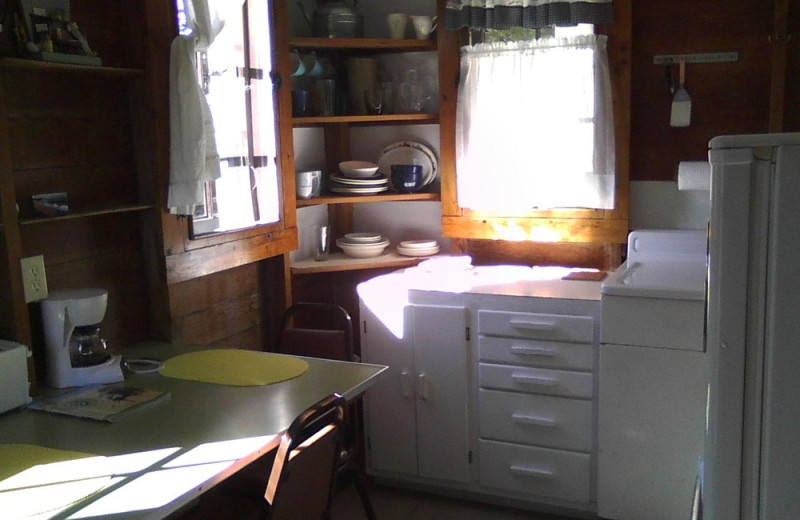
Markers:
409,152
418,244
365,238
358,191
376,180
415,251
382,242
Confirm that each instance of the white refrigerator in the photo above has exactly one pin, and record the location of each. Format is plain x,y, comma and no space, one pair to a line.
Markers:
751,466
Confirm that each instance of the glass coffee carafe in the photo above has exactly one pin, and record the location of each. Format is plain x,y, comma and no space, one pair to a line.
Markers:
86,347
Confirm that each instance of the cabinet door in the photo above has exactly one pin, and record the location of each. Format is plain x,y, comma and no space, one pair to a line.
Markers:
390,403
440,358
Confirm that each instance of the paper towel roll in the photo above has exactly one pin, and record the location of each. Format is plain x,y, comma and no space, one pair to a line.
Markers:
694,175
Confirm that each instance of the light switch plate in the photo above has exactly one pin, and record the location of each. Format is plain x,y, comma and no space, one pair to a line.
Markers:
34,278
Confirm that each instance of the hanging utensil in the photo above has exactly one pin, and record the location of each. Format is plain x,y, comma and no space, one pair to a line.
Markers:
681,113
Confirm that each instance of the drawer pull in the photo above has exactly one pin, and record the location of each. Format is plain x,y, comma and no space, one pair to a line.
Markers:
533,325
533,380
532,351
533,420
532,472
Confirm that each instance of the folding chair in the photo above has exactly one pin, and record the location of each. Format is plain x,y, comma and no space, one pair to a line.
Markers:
325,330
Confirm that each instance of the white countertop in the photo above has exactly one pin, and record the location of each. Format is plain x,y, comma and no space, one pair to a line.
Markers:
496,280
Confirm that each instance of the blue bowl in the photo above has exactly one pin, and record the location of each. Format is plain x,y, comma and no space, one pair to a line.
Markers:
407,178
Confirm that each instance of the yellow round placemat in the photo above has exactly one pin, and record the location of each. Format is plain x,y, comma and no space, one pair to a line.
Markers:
234,367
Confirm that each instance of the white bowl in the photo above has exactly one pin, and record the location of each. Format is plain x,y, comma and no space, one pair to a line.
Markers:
363,238
358,169
360,250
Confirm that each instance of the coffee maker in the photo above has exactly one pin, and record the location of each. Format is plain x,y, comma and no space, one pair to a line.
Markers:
74,351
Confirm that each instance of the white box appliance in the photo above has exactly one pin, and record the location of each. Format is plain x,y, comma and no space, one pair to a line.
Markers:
653,376
14,386
752,453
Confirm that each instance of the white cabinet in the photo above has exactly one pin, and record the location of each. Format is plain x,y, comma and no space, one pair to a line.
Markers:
535,403
417,415
490,390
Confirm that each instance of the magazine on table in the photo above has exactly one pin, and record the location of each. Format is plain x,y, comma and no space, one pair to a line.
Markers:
108,402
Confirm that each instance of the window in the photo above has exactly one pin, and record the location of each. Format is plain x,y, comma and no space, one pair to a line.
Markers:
534,124
234,73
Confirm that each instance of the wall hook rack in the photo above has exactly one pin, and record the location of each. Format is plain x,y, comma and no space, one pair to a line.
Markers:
708,57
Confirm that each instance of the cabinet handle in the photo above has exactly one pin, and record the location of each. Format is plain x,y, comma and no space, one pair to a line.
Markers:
532,351
533,325
532,419
532,472
533,380
422,387
405,384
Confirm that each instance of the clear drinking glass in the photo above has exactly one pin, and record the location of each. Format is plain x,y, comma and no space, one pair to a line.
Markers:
373,100
322,242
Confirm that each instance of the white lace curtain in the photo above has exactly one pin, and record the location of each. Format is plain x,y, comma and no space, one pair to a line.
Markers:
531,14
535,126
193,151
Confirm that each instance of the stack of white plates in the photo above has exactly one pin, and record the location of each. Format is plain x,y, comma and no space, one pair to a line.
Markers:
353,186
362,245
418,247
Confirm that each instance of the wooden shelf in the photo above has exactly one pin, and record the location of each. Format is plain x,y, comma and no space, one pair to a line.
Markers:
85,214
361,44
366,120
355,199
340,262
49,66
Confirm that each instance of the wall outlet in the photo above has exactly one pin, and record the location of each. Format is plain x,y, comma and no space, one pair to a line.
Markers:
34,278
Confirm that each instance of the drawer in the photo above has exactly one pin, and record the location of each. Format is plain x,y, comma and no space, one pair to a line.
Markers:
539,326
535,471
516,351
553,422
535,380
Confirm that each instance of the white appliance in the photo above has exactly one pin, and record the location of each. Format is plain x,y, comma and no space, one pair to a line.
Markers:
652,377
14,385
752,447
75,353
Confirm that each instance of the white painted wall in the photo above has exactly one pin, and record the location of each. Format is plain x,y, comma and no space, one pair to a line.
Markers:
660,205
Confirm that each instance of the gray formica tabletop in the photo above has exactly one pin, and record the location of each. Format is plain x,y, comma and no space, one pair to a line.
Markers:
194,414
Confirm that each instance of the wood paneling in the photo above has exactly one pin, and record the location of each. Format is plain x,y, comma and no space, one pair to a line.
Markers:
601,231
726,98
487,252
222,309
81,130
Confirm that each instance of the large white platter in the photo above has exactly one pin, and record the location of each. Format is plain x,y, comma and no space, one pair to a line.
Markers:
409,152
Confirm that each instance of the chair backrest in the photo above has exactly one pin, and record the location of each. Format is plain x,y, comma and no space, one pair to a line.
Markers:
301,481
322,330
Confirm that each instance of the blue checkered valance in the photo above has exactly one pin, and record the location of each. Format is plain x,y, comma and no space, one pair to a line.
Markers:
531,14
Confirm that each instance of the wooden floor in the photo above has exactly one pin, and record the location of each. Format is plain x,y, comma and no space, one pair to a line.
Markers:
400,504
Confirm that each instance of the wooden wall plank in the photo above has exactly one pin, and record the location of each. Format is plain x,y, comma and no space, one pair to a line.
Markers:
537,230
488,252
222,309
726,97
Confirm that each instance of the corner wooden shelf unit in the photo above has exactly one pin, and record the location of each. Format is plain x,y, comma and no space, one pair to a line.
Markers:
340,262
337,137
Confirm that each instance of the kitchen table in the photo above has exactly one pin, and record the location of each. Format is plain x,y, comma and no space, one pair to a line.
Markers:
158,459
